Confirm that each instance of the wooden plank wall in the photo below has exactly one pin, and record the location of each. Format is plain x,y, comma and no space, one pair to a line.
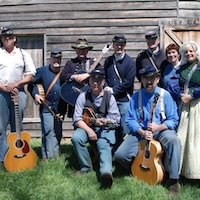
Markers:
64,21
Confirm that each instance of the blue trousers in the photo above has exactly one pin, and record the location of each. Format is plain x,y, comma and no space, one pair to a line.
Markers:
123,108
7,116
51,135
79,140
128,150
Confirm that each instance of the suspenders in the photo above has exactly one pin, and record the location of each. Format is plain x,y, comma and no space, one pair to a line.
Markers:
161,100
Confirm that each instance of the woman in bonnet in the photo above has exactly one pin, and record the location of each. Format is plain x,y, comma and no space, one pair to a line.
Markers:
189,96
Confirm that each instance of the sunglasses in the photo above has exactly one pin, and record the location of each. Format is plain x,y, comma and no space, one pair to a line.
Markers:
8,36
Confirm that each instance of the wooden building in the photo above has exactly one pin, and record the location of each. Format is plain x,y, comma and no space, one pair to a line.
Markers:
41,25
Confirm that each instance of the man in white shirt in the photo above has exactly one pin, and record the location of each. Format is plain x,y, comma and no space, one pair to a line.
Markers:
16,70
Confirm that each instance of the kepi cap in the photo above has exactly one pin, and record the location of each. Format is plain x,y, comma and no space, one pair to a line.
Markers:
82,44
119,38
151,34
97,74
55,53
149,71
7,31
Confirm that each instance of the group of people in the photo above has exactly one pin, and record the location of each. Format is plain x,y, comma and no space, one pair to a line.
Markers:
122,117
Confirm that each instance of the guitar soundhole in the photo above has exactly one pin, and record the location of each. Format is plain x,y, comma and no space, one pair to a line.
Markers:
19,143
147,154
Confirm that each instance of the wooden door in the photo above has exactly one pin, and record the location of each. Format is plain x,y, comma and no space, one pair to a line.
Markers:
34,45
179,35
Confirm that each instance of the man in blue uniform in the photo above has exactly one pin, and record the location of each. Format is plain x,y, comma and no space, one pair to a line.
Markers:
120,74
153,55
76,69
49,77
162,128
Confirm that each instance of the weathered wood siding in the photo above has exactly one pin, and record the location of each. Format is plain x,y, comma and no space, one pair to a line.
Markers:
62,22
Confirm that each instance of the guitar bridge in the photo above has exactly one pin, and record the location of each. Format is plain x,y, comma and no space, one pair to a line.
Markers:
144,167
20,155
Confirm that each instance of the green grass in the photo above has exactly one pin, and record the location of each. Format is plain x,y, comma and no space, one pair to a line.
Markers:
56,180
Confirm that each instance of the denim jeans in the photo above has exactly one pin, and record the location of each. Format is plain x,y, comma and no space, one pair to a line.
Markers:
51,135
79,140
7,115
128,150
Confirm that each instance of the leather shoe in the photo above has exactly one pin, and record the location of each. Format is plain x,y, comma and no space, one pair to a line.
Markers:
106,180
174,189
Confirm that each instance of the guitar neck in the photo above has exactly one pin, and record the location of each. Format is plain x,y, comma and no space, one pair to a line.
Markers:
93,66
17,121
106,121
52,112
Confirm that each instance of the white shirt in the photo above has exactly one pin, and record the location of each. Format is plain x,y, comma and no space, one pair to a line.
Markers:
12,65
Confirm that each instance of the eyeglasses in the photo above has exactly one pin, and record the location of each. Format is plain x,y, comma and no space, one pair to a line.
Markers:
8,36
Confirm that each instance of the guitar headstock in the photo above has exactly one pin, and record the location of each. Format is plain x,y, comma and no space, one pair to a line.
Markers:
59,117
107,47
155,100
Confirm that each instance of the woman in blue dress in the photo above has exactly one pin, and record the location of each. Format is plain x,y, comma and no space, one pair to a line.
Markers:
169,71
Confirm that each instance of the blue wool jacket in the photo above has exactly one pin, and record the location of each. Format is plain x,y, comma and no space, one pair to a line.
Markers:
127,71
45,76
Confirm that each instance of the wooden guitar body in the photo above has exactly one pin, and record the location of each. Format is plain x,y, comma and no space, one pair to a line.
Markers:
69,91
148,166
20,156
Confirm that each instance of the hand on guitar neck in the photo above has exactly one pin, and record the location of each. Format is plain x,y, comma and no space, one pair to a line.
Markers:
40,99
147,166
90,118
81,78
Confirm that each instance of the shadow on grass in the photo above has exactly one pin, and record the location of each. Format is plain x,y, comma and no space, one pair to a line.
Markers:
190,182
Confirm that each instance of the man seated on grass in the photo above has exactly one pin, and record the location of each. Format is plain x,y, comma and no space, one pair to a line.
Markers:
101,131
159,128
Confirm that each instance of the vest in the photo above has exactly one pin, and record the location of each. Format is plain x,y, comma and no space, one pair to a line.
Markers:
102,110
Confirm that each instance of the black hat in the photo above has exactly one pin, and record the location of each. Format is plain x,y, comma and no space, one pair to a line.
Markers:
97,74
149,71
82,44
119,38
151,34
7,31
55,53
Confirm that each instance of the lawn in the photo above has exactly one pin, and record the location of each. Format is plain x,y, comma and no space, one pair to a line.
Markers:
56,180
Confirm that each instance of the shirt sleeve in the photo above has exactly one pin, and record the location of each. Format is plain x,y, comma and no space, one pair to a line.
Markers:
79,106
113,111
133,115
29,65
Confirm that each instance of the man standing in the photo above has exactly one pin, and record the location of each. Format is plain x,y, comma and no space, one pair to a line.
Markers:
120,74
153,55
101,131
76,69
16,70
47,94
161,128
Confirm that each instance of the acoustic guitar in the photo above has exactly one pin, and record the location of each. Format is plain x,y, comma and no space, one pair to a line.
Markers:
42,94
147,166
89,117
20,156
71,89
